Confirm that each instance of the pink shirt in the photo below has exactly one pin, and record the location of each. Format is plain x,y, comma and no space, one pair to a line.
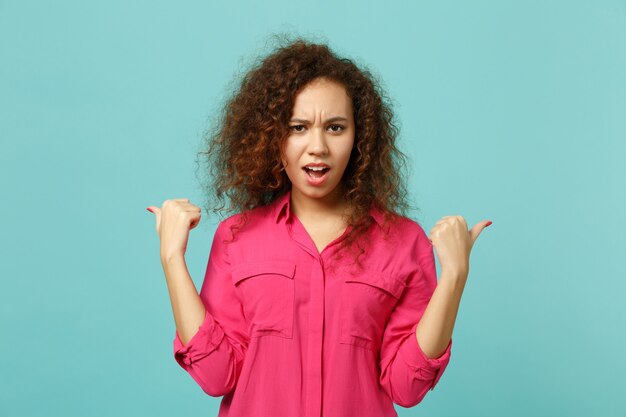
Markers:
288,333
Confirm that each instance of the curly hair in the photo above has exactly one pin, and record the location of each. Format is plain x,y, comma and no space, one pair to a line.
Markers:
243,147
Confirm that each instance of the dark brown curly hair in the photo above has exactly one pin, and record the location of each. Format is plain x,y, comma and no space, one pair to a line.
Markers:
243,147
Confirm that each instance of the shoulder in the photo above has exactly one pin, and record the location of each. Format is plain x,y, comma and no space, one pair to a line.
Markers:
400,238
408,230
411,241
258,219
398,249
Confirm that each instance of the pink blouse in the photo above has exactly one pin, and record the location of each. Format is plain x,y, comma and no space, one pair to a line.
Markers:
289,332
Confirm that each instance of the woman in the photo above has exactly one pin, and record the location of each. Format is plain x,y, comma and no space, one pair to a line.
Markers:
319,298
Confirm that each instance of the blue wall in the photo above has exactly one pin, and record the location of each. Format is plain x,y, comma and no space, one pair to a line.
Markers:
509,111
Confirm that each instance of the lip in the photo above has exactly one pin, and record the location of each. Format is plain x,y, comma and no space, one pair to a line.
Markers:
316,164
316,181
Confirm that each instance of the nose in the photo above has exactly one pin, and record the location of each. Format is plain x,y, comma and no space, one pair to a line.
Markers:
317,145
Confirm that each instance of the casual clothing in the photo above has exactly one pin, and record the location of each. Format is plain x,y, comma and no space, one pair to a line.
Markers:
288,332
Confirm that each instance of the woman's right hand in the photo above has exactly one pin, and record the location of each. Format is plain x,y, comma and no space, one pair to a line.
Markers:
174,220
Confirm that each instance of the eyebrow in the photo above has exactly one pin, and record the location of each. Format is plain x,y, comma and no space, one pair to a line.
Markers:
332,119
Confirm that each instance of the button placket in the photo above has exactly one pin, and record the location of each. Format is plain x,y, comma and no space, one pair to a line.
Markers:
315,343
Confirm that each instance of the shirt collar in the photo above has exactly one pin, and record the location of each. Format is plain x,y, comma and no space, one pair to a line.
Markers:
282,206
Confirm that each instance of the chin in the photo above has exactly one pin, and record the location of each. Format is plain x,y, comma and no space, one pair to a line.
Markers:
313,192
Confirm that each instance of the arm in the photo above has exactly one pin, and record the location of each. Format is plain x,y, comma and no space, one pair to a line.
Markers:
211,336
434,330
407,372
187,306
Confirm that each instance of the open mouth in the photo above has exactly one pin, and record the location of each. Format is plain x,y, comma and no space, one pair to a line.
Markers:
316,173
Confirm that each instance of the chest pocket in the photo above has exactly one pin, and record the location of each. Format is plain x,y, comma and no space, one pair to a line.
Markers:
366,303
267,291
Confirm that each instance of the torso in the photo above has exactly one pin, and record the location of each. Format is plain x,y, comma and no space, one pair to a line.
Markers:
324,233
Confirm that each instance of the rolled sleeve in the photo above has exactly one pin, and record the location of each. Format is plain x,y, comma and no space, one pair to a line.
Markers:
425,368
407,374
203,343
215,353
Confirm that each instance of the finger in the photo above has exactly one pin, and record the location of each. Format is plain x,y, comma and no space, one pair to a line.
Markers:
191,207
195,221
153,209
444,219
157,212
477,229
185,203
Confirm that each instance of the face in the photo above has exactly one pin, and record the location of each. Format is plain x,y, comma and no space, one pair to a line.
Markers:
322,132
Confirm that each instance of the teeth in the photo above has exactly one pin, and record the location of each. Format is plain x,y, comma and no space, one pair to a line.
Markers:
316,168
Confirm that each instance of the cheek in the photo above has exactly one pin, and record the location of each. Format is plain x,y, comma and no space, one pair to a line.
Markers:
289,152
347,151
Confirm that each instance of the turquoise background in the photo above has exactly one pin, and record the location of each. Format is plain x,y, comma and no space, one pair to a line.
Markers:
510,111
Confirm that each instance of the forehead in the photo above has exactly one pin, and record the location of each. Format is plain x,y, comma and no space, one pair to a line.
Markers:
323,96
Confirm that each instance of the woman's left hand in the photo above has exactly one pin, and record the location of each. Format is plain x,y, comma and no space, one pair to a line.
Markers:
453,243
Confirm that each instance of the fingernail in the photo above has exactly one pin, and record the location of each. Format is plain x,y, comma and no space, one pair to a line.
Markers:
148,208
488,223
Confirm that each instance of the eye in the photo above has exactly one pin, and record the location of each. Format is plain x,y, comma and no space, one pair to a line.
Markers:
341,128
293,127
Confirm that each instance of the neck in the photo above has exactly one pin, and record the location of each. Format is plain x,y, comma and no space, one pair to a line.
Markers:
305,207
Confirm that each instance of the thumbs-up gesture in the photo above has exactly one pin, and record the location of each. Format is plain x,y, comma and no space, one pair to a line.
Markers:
174,220
453,243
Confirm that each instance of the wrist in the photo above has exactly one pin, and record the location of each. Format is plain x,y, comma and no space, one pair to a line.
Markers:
172,257
454,275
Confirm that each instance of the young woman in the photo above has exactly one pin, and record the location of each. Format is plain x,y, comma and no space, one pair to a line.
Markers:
319,298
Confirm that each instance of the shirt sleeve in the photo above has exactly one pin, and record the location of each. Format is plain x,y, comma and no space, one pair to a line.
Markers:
406,372
214,355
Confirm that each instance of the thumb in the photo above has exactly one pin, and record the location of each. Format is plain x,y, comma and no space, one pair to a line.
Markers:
477,230
156,211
